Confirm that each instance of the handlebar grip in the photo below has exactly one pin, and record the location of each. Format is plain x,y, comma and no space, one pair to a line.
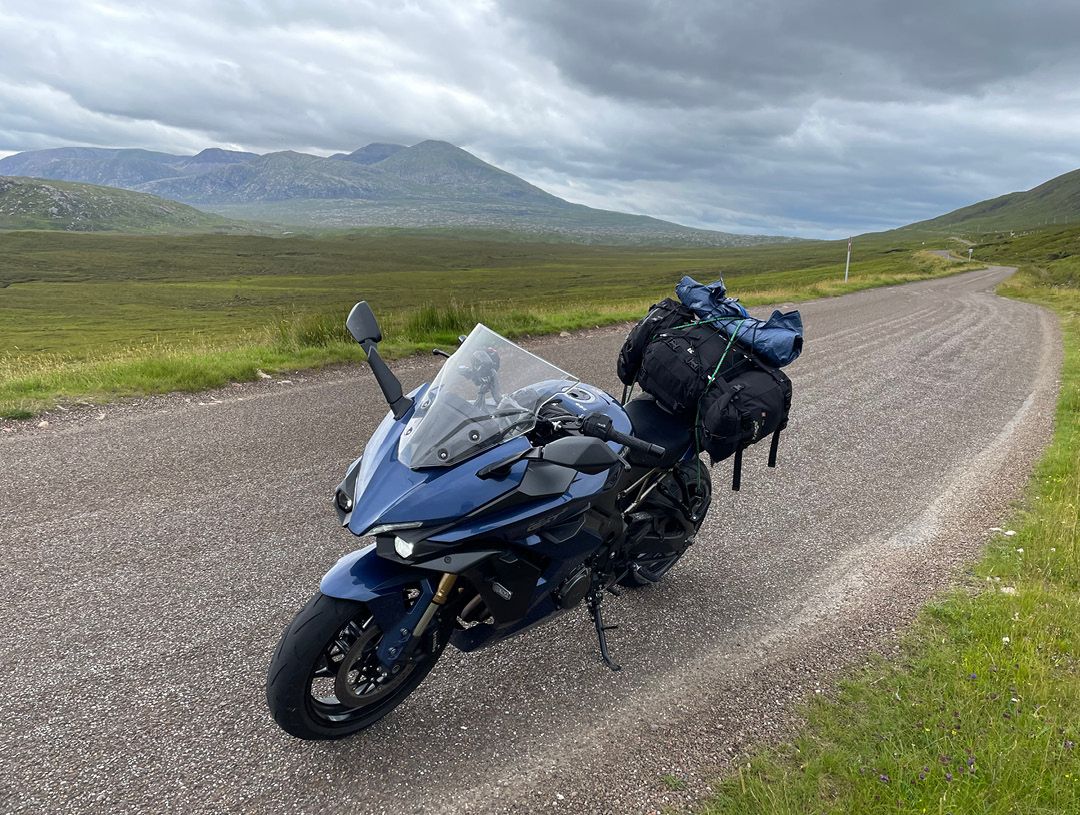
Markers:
599,425
654,450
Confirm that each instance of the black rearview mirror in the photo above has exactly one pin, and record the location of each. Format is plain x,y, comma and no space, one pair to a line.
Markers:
362,324
584,454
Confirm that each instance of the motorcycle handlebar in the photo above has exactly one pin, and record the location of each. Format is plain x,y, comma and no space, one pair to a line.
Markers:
654,450
599,426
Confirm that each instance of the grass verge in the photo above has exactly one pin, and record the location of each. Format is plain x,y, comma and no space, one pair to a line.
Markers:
135,330
981,713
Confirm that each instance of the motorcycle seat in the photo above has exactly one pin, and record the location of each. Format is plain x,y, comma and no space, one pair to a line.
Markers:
655,425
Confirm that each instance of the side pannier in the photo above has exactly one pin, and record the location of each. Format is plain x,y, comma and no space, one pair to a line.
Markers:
742,411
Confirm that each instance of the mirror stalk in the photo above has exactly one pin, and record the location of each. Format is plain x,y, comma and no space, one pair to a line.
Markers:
365,330
388,383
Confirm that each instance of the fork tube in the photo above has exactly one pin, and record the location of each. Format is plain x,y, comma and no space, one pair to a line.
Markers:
446,583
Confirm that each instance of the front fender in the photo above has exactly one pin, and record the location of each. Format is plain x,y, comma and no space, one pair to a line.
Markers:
364,576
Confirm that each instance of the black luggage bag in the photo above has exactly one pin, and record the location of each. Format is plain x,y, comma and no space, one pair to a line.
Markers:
699,372
662,316
742,411
681,363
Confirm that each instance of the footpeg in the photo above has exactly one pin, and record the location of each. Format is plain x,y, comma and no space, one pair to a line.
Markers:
645,574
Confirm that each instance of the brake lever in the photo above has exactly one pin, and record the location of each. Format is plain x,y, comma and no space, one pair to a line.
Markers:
568,424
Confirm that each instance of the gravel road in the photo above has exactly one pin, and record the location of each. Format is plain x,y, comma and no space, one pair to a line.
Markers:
153,553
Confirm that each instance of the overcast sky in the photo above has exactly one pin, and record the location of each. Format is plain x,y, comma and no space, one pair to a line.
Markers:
809,118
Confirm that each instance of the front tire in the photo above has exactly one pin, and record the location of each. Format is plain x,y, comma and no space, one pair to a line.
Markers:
326,653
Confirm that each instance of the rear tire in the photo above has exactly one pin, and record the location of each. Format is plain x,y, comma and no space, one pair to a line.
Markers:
682,498
301,679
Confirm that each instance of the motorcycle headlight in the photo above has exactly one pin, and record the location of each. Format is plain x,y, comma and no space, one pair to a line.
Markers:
343,500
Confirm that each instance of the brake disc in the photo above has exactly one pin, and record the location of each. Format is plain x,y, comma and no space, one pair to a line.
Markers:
361,679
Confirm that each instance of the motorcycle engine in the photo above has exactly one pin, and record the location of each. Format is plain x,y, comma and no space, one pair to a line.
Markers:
574,588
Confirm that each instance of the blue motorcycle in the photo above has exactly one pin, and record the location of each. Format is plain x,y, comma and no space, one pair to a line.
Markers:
500,495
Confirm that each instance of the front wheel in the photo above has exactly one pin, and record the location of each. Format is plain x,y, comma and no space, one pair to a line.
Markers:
325,680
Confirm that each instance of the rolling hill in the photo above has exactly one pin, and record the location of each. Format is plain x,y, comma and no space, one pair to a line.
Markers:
31,203
430,184
1056,201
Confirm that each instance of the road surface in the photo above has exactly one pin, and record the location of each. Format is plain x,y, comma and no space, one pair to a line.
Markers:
152,554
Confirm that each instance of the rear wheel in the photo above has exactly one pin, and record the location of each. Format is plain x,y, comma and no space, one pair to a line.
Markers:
667,522
325,680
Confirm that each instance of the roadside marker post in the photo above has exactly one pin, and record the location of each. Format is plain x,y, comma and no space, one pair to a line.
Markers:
970,250
847,263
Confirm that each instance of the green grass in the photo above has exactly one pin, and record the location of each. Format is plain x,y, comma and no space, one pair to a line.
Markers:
94,317
673,782
981,713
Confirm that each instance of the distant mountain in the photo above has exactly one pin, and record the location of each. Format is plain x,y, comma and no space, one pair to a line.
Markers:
372,153
1055,202
30,203
430,184
377,172
215,157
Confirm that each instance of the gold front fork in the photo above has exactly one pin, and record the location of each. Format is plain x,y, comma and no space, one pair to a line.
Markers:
442,593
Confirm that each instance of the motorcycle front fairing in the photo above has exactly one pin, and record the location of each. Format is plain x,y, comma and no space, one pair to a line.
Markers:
386,491
383,491
452,516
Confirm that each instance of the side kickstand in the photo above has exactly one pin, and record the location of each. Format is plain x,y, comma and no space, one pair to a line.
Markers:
601,629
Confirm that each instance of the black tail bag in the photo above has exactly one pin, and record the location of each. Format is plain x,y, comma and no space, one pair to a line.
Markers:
698,372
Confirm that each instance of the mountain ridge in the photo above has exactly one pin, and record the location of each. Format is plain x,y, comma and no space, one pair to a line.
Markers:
31,203
1056,201
429,184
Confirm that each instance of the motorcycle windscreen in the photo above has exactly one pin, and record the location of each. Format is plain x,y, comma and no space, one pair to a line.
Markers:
488,392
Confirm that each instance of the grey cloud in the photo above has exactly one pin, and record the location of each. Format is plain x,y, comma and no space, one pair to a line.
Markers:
743,53
812,118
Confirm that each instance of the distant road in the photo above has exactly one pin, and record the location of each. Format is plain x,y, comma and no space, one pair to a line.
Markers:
152,557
